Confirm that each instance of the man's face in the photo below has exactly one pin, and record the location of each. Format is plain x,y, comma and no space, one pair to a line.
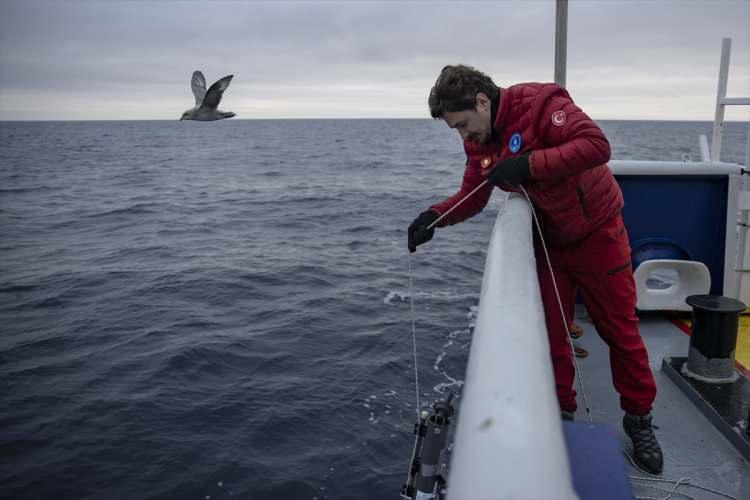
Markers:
472,124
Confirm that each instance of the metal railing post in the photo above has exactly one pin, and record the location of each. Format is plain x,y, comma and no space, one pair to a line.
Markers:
561,41
726,48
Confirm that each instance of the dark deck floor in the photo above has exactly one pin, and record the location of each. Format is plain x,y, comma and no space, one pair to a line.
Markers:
693,447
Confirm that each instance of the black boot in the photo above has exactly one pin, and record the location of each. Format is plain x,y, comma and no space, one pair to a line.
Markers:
646,449
570,416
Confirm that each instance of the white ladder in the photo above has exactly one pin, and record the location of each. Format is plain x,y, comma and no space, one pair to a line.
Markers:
743,196
722,101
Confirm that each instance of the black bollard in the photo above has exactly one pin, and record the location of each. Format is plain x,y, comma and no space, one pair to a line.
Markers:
713,338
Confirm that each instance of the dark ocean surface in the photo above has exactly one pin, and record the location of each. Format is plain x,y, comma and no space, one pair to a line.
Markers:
221,310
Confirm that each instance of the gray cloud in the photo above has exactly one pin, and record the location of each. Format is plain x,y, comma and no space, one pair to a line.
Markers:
359,59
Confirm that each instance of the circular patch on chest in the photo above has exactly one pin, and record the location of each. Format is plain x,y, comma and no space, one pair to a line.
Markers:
515,143
558,118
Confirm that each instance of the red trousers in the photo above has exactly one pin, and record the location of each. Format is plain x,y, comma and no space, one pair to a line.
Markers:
599,268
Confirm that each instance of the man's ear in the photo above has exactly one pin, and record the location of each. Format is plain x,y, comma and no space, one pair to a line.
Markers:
482,101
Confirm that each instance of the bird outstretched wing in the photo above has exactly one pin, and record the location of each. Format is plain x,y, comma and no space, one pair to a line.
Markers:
213,96
198,84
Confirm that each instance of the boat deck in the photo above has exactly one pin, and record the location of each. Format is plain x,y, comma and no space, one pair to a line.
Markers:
693,447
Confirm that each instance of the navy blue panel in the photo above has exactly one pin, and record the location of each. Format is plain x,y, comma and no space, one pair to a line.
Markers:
596,462
690,211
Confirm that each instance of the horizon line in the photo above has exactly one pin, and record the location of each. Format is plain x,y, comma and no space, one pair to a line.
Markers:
322,119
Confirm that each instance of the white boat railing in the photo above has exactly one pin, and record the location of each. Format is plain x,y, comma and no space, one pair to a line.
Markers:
650,167
509,441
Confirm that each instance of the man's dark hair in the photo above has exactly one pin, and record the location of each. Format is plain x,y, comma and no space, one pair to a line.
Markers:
456,89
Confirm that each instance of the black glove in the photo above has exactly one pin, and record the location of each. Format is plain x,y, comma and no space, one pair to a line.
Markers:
512,171
418,232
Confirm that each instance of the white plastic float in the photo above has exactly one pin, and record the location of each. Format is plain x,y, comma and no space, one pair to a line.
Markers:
664,284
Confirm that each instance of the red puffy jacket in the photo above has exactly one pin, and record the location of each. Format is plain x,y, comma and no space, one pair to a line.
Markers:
571,186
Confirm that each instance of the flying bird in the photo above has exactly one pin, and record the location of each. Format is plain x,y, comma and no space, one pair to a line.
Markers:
206,102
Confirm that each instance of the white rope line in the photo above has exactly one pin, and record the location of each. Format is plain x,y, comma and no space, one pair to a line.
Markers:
685,481
411,296
671,492
562,311
457,204
413,335
554,284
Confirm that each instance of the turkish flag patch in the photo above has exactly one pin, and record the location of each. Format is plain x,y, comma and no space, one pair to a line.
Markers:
558,118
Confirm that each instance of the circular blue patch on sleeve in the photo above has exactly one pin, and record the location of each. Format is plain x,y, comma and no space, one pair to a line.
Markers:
515,143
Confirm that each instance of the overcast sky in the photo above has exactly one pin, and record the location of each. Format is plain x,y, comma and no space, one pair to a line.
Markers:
133,60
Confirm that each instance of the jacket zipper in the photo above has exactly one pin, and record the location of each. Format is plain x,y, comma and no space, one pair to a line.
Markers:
617,269
582,202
